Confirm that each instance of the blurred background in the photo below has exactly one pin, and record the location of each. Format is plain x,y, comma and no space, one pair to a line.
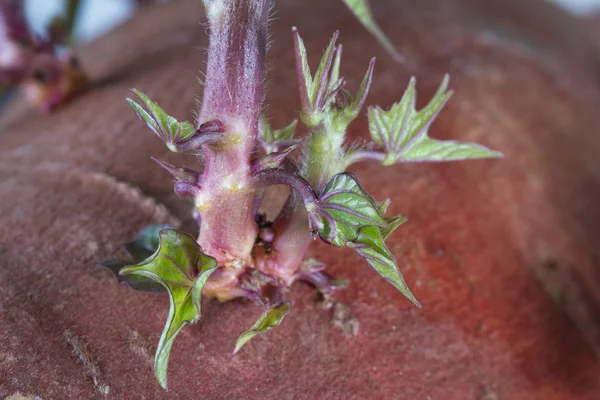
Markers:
98,16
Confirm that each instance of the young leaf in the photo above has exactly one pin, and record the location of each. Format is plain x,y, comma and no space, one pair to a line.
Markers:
183,269
171,131
393,224
370,246
346,207
278,140
273,159
314,93
269,319
402,131
140,249
362,11
285,134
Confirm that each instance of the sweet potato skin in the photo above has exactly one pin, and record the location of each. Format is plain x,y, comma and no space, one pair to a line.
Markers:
496,251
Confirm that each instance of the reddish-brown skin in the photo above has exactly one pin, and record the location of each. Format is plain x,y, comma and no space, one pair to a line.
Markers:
485,243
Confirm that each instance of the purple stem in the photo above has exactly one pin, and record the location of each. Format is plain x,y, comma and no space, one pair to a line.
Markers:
233,95
363,155
197,141
270,177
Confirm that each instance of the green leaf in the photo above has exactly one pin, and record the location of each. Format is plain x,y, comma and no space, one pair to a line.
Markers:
280,135
402,131
347,208
393,224
171,131
183,269
140,249
268,320
285,134
370,246
314,92
146,243
362,11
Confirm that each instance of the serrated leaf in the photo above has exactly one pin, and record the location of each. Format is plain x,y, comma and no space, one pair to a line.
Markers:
362,10
183,269
402,131
141,248
387,127
169,129
268,320
348,207
427,149
370,246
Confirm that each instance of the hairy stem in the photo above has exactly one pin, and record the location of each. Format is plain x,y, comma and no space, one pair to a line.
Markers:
233,95
272,177
363,155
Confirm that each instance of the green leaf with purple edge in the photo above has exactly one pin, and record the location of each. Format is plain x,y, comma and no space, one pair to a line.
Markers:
268,320
402,131
169,129
349,207
362,10
393,224
183,269
140,249
314,91
370,246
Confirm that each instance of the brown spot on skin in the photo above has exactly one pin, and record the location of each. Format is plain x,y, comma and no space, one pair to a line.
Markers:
141,346
19,396
90,366
343,319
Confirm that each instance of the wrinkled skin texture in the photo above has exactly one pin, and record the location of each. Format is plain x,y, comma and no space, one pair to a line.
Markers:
496,251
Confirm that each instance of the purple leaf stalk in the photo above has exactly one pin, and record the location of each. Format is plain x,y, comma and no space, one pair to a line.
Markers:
238,252
46,71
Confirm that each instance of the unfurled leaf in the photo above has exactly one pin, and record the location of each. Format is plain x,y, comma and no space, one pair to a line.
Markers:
183,269
140,249
345,208
370,246
402,131
362,11
171,131
268,320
